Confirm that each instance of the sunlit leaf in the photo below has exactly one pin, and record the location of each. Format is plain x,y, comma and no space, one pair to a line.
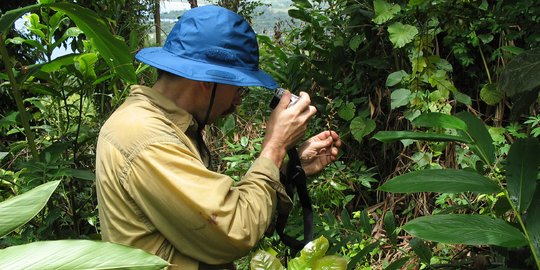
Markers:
331,262
439,120
521,171
77,254
443,181
302,3
85,65
477,131
361,126
401,34
114,51
466,229
7,19
384,11
395,77
263,260
521,73
399,97
392,136
312,251
20,209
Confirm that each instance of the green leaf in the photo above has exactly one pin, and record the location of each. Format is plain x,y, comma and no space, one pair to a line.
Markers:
20,209
390,227
347,111
400,97
302,3
490,94
466,229
532,223
478,133
263,260
82,174
443,181
331,262
421,249
77,254
59,62
300,14
396,77
361,126
114,51
3,155
521,74
356,41
7,19
362,254
439,120
521,171
85,65
397,264
364,222
384,11
401,34
309,254
391,136
462,98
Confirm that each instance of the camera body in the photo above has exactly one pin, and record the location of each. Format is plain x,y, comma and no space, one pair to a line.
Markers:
278,93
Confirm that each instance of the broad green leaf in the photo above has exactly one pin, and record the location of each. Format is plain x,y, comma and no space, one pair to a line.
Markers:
390,227
361,126
364,222
331,262
59,62
263,260
77,254
312,251
302,3
401,34
521,73
466,229
439,120
521,171
299,14
395,77
114,51
392,136
85,65
18,210
490,94
462,98
384,11
478,133
347,111
356,41
440,180
532,223
82,174
7,19
397,264
399,97
421,249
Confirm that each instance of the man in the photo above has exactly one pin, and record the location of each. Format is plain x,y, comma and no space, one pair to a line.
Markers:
155,190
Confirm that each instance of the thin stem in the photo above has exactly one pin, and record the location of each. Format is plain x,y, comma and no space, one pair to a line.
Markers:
18,99
485,64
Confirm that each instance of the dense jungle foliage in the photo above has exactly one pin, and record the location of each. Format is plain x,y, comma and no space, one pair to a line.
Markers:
436,102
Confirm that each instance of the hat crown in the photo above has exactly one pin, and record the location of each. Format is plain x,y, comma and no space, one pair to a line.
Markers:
214,35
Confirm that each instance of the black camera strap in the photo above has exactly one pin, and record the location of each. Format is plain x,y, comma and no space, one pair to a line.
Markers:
295,179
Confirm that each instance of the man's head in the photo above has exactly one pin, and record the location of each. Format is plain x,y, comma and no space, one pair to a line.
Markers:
211,44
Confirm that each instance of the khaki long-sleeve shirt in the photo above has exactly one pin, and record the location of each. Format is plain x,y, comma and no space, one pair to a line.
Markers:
155,193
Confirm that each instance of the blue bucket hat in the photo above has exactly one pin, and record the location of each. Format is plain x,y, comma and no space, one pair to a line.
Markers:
210,44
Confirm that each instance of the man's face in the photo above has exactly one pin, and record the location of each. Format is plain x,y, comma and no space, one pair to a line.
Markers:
228,97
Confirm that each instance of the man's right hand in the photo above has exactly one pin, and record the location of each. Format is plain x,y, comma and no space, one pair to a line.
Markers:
286,126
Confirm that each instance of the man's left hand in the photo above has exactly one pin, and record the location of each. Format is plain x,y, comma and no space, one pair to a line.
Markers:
319,151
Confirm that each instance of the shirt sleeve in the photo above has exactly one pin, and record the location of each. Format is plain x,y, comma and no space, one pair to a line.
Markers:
197,210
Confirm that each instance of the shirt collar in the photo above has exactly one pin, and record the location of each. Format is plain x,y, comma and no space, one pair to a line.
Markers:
177,115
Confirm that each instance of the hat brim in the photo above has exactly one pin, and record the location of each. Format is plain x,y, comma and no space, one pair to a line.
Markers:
202,71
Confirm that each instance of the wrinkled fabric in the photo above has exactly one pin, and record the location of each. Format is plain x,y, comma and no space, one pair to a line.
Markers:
155,193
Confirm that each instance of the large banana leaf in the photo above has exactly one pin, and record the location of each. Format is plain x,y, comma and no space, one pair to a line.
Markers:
18,210
522,171
77,254
443,181
466,229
